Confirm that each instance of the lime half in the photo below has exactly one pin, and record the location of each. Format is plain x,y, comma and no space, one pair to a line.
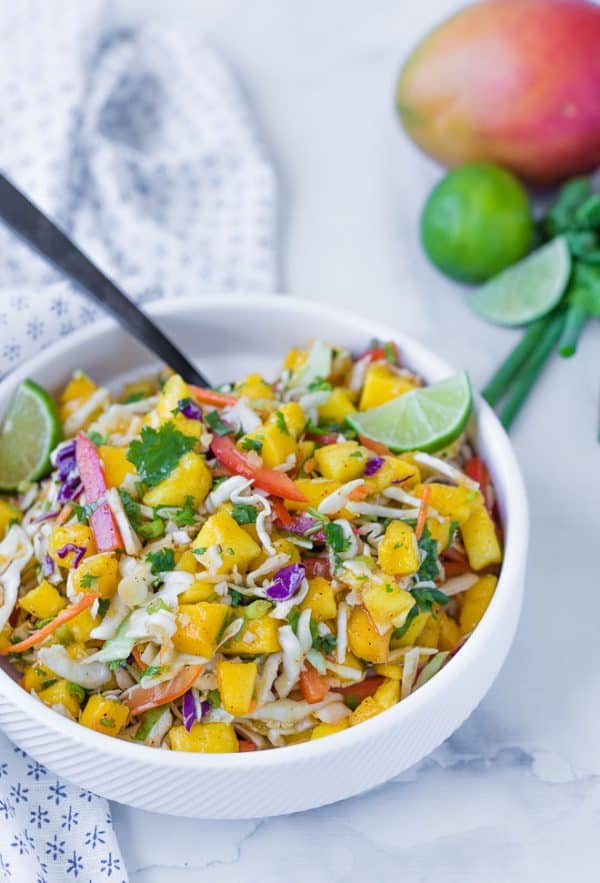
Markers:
425,419
30,430
527,290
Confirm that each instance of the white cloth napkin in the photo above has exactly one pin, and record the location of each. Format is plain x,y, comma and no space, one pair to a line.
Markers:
140,145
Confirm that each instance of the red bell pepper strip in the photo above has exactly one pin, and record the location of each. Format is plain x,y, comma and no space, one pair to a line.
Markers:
210,397
277,483
247,745
314,687
380,352
362,689
476,469
64,616
142,699
281,513
102,521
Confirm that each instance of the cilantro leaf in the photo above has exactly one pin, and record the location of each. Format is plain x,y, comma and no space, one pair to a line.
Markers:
402,630
428,548
156,454
280,422
337,541
251,444
151,670
244,513
425,597
161,561
213,419
152,530
186,514
88,581
319,384
235,596
96,438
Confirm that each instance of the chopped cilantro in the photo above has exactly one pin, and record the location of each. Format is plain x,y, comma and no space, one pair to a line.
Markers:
96,438
390,352
156,454
76,690
88,581
116,663
214,698
103,605
428,548
186,514
236,597
452,533
161,561
244,513
426,597
135,397
319,384
49,683
108,722
213,419
152,530
151,671
251,444
280,422
149,530
337,541
82,513
200,550
357,454
402,630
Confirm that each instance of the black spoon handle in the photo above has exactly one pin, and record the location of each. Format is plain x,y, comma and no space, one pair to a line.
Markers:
41,233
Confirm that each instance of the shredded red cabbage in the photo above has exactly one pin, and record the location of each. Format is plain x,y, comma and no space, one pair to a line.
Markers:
64,460
46,516
71,547
189,710
190,409
71,489
47,566
302,525
373,465
286,583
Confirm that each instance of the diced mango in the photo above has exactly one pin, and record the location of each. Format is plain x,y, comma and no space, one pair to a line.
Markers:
364,639
449,635
440,531
174,391
398,552
209,738
281,546
412,633
476,601
322,730
430,635
79,535
294,417
394,469
5,634
81,626
254,387
389,670
314,489
368,708
454,502
116,465
276,445
320,599
236,681
100,573
198,627
480,539
63,693
104,715
75,394
342,461
200,590
383,383
386,602
186,561
388,693
43,602
258,636
190,478
8,514
38,678
295,358
237,549
337,407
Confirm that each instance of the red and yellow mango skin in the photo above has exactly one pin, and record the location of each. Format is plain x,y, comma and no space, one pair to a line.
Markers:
515,82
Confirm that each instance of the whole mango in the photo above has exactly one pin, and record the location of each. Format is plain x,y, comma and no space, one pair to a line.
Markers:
514,82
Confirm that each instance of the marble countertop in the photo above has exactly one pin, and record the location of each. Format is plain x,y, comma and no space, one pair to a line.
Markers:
515,793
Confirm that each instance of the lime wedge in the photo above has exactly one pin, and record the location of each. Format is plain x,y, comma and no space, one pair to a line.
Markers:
425,419
527,290
30,430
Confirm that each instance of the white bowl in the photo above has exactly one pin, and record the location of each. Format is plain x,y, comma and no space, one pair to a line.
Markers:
229,336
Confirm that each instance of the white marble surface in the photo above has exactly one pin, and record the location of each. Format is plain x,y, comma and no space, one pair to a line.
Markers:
515,794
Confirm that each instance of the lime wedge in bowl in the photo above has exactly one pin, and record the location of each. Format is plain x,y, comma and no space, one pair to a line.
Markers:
527,290
424,419
30,431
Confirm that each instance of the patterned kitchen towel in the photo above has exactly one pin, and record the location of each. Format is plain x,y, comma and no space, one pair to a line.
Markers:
139,144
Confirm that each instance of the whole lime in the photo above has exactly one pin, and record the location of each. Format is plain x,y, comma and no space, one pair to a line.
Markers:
476,222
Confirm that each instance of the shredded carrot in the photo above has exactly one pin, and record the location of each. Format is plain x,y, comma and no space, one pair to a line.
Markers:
137,657
64,514
210,397
64,616
313,686
424,509
359,492
375,446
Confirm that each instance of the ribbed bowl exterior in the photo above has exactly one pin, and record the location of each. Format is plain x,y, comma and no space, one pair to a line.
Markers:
309,774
